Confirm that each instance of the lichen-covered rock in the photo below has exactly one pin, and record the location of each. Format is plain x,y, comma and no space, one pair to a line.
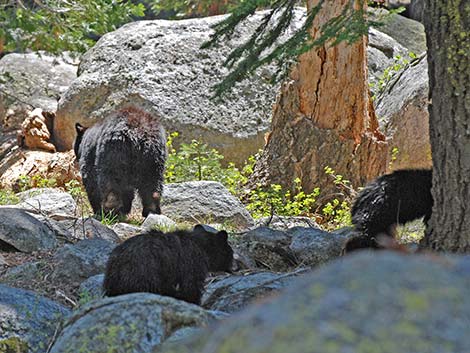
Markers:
27,319
232,293
127,323
204,201
368,302
74,263
24,232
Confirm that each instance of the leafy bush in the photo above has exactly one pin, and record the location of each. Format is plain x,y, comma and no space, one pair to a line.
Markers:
192,8
196,161
56,26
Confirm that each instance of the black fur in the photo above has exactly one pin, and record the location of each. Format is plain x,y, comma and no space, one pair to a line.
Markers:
392,199
174,264
359,242
124,152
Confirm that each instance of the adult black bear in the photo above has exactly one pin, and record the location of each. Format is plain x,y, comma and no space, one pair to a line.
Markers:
391,199
123,152
174,264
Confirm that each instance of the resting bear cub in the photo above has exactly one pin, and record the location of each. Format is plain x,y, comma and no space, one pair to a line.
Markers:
124,152
174,264
391,199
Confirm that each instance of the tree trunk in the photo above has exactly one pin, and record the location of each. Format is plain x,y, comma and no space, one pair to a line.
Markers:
324,117
448,36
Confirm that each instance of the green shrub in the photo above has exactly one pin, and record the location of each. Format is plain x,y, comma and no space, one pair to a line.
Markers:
57,26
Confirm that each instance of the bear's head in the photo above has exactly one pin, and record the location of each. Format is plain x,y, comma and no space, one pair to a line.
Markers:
216,246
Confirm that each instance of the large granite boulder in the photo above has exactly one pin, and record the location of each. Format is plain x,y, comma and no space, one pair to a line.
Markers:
159,65
367,302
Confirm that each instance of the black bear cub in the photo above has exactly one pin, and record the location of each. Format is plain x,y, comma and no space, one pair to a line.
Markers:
124,152
173,264
391,199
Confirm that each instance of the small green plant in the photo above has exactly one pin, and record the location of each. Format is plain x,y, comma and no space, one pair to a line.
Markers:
399,63
8,197
263,202
393,158
108,218
337,212
26,182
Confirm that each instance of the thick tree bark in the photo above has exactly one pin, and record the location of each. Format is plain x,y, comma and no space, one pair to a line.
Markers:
447,25
324,117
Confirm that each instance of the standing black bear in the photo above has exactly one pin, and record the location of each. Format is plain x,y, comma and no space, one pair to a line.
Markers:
391,199
174,264
123,152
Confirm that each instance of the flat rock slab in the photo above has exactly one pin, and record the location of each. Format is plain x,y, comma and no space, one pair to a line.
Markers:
24,232
29,318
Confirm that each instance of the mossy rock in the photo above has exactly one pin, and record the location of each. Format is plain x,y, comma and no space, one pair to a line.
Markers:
367,302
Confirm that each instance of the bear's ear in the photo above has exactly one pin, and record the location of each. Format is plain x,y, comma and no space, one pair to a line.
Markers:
222,235
198,228
80,129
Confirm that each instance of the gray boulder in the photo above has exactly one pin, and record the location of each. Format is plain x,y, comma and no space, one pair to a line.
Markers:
24,232
403,108
75,263
313,247
267,248
204,202
47,201
232,293
38,79
27,320
127,323
367,302
89,228
409,33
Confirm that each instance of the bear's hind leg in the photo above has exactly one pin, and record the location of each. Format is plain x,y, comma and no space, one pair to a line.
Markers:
150,200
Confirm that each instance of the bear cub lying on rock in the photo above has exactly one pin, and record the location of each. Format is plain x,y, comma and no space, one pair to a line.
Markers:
391,199
124,152
173,264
